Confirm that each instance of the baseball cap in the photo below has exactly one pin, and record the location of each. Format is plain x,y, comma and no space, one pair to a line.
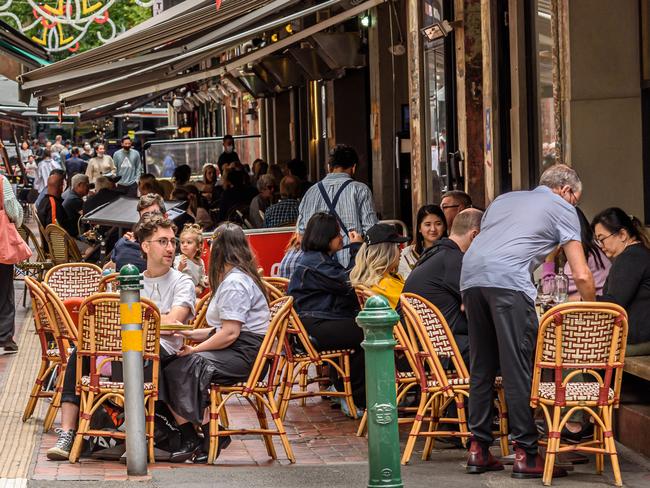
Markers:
379,233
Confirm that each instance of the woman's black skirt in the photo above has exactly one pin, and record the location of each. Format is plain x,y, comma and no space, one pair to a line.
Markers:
187,379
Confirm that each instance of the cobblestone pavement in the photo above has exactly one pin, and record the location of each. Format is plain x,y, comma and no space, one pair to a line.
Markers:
327,450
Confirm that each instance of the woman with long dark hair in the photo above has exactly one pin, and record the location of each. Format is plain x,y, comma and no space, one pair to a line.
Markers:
238,318
324,298
596,259
624,240
430,226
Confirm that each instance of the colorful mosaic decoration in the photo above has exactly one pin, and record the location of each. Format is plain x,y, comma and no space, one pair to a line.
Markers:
63,25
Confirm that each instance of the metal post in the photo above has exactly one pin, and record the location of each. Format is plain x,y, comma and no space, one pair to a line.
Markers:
377,320
131,321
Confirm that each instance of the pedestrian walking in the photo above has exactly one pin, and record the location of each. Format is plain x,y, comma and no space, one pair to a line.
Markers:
129,166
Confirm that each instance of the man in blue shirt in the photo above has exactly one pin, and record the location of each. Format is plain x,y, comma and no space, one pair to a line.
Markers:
129,167
518,230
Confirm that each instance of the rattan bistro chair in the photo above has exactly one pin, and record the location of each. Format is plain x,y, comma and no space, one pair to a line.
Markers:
281,284
100,340
53,361
586,339
272,292
62,247
259,392
74,280
108,283
432,340
300,354
37,265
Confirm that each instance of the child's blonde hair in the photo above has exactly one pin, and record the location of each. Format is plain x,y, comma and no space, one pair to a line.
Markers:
197,232
373,263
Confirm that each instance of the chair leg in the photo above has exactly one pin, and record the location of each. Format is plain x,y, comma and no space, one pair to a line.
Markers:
281,432
214,425
429,442
223,414
462,417
552,446
415,428
84,423
503,422
302,383
598,436
361,431
347,386
611,446
287,387
36,389
261,418
151,416
56,401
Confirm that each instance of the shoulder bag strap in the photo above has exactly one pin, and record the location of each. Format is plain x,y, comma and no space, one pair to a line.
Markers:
2,192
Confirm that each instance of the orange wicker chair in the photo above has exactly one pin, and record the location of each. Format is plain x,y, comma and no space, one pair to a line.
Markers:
62,247
281,284
432,339
100,336
51,359
272,292
258,391
298,363
66,338
363,293
74,280
37,265
108,283
585,338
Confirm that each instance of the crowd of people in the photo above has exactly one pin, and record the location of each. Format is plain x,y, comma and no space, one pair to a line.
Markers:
475,266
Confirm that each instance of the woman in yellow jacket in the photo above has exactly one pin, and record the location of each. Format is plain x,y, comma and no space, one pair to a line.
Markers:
377,262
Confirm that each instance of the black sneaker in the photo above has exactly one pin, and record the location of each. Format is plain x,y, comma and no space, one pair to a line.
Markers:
61,451
10,346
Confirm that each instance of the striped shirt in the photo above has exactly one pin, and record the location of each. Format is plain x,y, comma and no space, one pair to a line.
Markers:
355,207
11,205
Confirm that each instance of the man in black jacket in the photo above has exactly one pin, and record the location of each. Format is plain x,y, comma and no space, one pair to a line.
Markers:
51,210
436,276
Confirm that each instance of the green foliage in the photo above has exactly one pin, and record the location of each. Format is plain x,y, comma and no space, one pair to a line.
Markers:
124,13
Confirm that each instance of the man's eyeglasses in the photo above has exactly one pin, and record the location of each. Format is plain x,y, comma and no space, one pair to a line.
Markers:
449,206
600,242
164,241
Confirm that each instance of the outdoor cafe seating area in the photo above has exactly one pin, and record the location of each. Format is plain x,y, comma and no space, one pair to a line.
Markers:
578,366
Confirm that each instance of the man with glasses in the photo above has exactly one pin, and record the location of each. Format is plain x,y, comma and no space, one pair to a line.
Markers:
171,291
519,229
454,202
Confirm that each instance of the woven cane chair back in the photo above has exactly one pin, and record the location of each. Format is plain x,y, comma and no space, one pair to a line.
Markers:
271,349
74,280
30,239
431,336
63,248
199,321
281,284
65,327
45,328
272,292
363,293
584,338
41,229
100,332
107,282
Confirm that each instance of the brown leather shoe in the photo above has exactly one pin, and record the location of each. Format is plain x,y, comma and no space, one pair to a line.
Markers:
532,466
480,459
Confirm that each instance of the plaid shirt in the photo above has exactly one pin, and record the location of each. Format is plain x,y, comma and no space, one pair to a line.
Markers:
283,212
355,207
289,262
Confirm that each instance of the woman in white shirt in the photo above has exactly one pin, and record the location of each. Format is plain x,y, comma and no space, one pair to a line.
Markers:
431,226
238,318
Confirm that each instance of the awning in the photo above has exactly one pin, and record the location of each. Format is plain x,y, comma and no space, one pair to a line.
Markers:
134,65
19,47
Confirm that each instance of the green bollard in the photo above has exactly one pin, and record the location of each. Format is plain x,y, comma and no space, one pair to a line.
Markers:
131,321
377,320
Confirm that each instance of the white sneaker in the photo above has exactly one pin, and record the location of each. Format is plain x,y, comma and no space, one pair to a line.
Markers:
61,451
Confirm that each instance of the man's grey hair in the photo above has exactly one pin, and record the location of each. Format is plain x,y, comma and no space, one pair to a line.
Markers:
560,175
467,221
460,197
264,182
79,178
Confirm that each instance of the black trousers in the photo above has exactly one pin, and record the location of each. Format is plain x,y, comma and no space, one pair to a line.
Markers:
502,332
342,333
7,302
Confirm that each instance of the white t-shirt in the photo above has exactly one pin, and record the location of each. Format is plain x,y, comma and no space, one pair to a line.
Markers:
239,298
173,289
